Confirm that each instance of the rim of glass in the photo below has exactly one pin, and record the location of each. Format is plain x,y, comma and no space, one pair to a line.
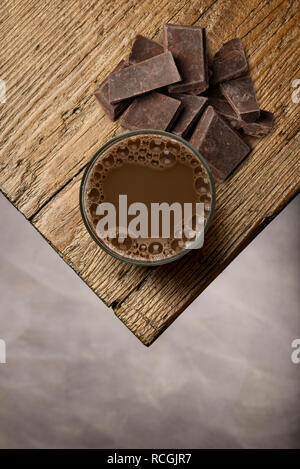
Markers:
101,150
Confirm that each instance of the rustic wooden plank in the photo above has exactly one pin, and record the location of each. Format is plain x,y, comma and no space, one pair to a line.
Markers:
40,155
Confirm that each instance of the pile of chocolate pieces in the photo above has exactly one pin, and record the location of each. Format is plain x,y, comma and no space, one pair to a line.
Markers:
172,87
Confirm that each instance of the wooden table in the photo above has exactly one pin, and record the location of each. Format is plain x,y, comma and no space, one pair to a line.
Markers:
52,56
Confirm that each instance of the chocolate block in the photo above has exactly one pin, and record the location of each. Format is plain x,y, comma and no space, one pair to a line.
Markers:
198,91
229,62
193,106
102,94
260,128
221,105
151,111
142,77
220,145
188,46
241,96
144,48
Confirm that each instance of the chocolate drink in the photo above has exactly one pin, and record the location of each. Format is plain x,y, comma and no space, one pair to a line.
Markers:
149,168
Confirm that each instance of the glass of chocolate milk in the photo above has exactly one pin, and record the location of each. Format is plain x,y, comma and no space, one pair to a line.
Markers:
147,197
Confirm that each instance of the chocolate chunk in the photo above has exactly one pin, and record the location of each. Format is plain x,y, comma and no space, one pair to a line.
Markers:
221,105
198,91
193,106
220,145
151,111
241,96
229,62
144,48
188,46
102,94
260,128
142,77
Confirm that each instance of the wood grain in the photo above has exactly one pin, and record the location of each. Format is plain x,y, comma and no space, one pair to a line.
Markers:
53,56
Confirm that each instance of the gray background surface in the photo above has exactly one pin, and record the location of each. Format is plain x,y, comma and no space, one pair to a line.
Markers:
220,376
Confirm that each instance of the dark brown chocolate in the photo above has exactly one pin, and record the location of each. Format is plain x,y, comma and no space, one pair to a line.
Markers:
220,145
241,96
188,46
229,62
260,128
102,94
193,106
144,48
221,105
142,77
200,90
151,111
